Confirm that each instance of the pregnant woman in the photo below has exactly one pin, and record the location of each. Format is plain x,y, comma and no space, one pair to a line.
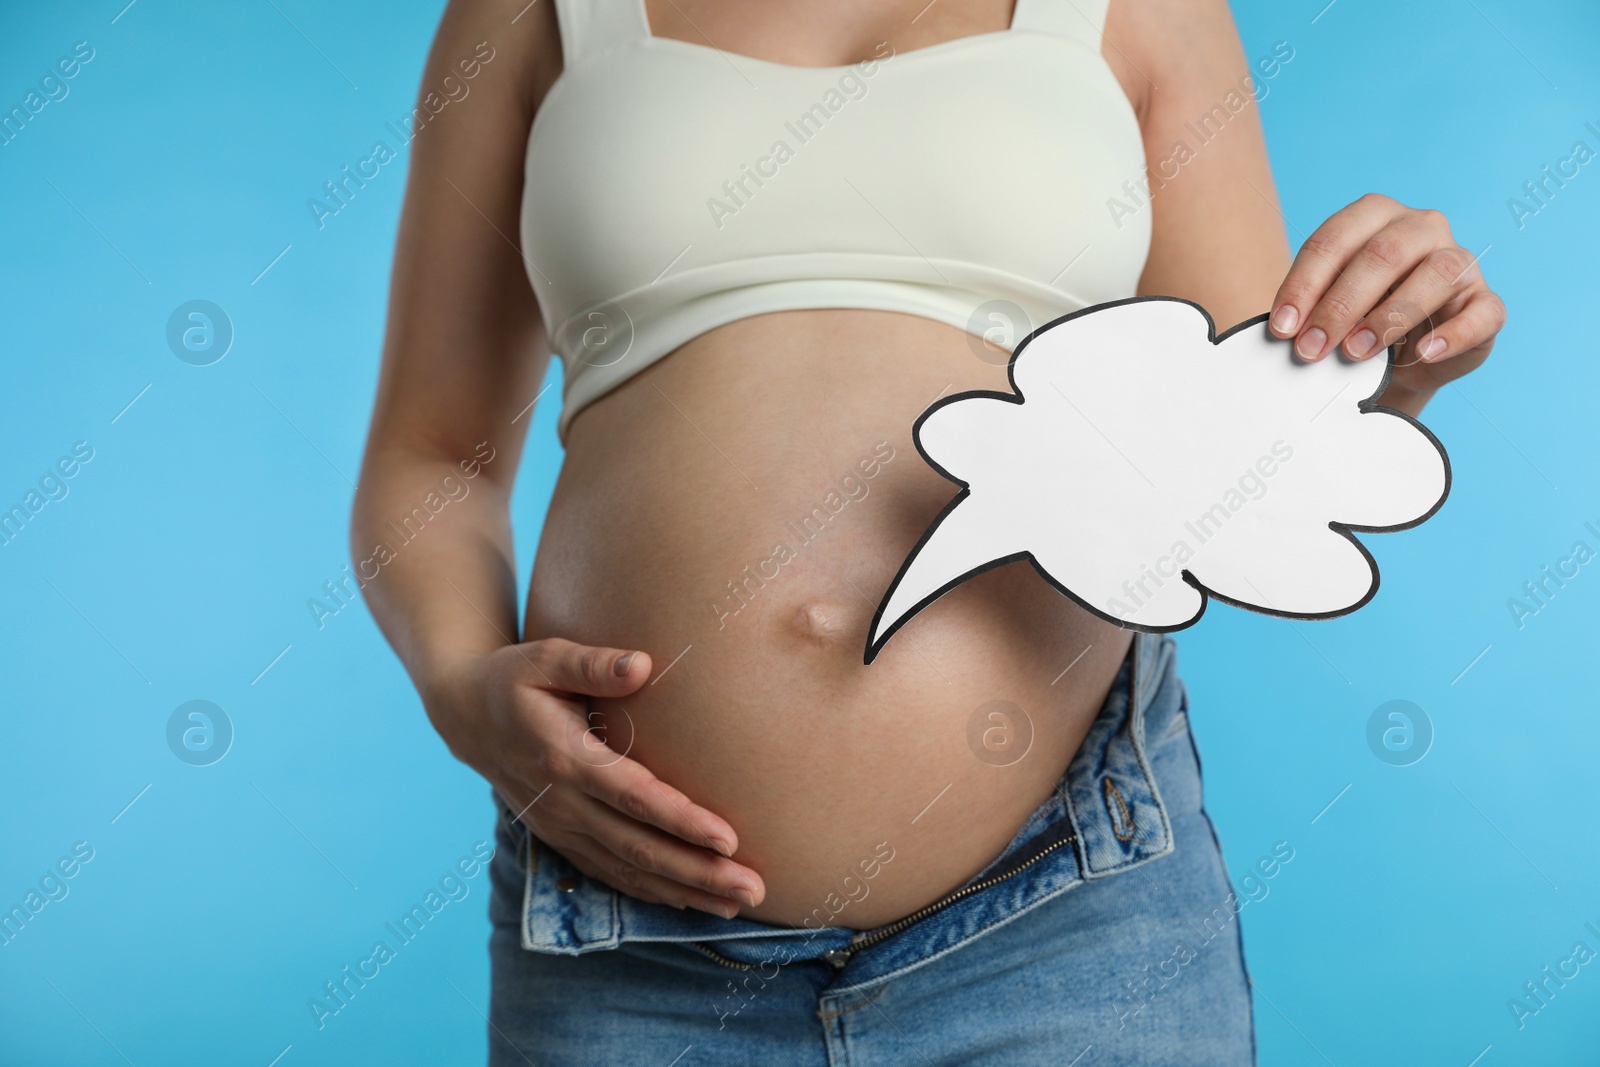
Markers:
762,238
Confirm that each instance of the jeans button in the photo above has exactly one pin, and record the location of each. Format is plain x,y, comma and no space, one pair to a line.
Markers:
567,885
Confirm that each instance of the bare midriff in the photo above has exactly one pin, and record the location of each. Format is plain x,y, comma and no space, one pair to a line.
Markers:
737,509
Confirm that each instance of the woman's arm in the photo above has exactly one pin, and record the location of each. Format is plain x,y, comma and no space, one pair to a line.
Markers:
1375,273
464,352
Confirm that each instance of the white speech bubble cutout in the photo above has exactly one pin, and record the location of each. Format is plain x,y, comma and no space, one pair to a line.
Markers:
1143,463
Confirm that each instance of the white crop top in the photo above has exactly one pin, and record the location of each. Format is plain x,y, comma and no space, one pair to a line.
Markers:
672,188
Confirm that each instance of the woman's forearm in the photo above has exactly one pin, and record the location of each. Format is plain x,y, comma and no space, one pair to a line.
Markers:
431,537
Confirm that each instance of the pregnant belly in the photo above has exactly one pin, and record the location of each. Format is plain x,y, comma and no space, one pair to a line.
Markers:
737,510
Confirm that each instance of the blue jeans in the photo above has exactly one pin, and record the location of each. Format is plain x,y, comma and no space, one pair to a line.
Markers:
1106,932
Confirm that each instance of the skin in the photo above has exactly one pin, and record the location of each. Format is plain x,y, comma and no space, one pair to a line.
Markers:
752,765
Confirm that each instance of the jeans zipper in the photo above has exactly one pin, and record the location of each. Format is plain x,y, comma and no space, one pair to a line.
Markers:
838,957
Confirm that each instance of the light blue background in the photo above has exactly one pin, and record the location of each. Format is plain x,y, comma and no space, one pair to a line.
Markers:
180,564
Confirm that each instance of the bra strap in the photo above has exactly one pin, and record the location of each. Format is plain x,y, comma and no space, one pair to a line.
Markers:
1082,20
591,26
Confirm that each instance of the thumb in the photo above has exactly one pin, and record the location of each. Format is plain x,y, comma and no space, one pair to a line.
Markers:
566,666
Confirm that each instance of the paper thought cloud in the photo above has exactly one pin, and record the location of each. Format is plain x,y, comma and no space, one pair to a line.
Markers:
1144,463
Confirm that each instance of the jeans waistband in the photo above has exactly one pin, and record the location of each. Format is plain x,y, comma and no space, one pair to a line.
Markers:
1107,804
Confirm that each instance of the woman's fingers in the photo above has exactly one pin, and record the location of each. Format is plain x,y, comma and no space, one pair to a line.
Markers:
568,667
643,823
1381,262
1374,274
1438,282
1323,257
630,788
644,833
1414,243
598,862
1476,323
645,848
574,754
631,857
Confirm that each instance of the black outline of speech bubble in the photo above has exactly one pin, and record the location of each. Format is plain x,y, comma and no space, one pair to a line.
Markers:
1345,530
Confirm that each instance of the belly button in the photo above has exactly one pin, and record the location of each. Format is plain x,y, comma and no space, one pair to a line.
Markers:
821,621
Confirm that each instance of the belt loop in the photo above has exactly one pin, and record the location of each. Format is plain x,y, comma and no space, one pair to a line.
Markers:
1151,652
1136,671
1113,798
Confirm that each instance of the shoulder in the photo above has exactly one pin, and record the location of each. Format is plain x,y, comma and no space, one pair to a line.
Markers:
1170,48
521,39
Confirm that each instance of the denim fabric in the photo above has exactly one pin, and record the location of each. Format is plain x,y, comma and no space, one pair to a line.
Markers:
1120,947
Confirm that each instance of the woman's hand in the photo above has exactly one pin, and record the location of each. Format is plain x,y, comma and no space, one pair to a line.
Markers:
520,717
1379,273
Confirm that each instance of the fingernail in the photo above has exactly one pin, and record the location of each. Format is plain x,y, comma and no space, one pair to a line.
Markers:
1310,343
624,661
727,911
740,893
1285,318
721,846
1360,343
1432,348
